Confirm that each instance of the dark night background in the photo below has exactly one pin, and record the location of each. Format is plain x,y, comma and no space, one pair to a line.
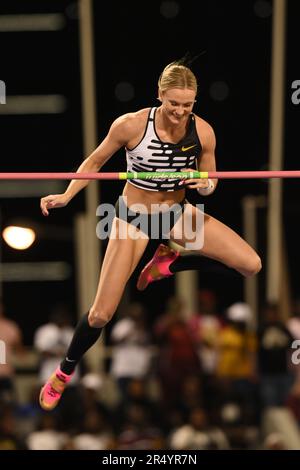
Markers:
234,44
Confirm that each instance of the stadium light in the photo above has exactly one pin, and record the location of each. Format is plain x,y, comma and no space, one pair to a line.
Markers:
19,238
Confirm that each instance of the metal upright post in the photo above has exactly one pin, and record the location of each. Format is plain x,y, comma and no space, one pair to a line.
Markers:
87,243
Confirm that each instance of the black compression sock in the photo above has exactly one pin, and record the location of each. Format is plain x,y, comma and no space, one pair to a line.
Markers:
83,339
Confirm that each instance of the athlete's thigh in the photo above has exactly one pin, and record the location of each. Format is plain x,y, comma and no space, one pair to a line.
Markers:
220,242
121,258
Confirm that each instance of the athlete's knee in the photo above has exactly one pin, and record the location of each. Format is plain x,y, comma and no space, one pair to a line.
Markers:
254,266
99,317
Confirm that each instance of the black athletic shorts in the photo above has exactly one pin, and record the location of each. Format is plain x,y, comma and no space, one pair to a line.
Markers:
155,225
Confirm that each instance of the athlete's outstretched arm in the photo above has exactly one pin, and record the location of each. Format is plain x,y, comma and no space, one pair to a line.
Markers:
114,140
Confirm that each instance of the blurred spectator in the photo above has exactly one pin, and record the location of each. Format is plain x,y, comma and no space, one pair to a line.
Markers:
47,435
274,441
240,431
293,401
137,394
95,434
191,395
132,351
9,439
280,420
205,327
138,430
52,340
197,434
177,356
11,336
91,388
274,359
236,368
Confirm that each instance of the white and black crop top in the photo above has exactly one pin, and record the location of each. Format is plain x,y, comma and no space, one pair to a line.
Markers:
151,154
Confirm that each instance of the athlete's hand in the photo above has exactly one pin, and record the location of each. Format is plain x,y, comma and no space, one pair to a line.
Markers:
195,183
53,201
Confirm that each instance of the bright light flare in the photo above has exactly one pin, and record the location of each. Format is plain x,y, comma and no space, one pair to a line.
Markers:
19,238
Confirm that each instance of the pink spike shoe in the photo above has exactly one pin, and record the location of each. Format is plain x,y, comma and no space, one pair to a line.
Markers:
53,389
158,266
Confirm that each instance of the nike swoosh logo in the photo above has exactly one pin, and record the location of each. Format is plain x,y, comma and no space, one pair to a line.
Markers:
184,149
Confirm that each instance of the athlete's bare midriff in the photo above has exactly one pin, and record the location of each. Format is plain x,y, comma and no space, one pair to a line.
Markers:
136,195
